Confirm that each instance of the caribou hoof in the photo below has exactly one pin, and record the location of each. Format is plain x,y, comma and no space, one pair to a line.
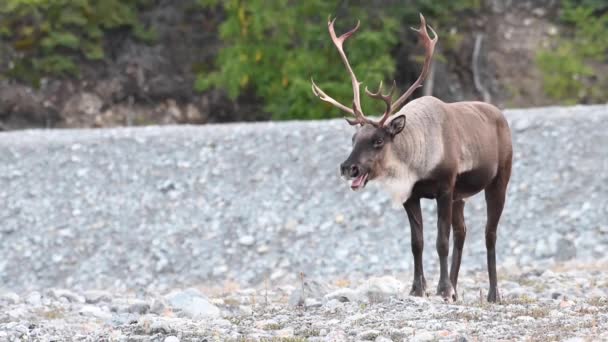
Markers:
418,288
446,291
493,296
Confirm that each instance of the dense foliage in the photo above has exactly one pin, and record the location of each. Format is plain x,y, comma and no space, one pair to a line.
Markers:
279,72
274,47
50,35
568,70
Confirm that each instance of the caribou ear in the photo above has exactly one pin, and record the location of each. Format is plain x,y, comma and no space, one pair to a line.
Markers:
396,125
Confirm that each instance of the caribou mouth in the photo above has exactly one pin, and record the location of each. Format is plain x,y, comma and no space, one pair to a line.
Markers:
359,182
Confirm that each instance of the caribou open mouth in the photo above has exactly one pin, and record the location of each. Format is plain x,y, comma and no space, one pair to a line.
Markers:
359,182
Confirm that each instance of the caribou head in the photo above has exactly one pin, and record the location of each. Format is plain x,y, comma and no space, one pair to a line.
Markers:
373,139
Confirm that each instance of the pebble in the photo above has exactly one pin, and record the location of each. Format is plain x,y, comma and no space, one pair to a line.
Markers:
247,240
192,303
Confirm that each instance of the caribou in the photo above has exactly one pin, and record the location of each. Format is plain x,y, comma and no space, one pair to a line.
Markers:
430,149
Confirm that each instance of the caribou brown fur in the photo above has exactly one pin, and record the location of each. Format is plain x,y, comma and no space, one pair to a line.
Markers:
435,150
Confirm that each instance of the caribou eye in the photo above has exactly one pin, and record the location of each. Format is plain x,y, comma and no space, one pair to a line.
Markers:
378,142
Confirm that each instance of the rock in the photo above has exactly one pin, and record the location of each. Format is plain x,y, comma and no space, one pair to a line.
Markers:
423,335
311,289
171,339
72,297
336,336
368,335
539,12
139,307
94,311
34,298
285,332
83,104
94,296
17,313
245,310
192,303
10,298
379,289
247,240
193,115
158,306
159,326
343,295
566,250
312,303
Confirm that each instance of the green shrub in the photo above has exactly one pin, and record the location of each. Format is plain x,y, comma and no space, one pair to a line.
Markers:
568,73
50,36
275,46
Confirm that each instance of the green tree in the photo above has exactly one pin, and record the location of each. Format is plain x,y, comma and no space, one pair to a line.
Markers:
50,36
568,70
274,47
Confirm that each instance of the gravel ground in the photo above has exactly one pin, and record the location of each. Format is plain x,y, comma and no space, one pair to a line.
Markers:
144,212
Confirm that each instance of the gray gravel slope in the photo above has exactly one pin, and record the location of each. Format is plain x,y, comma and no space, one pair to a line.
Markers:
159,207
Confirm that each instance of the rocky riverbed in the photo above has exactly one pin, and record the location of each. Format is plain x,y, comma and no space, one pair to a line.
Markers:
170,221
566,302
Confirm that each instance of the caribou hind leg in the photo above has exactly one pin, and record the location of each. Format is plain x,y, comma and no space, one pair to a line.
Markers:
460,232
495,195
444,223
414,214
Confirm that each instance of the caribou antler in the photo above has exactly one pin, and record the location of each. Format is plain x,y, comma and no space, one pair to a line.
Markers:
429,45
357,111
386,98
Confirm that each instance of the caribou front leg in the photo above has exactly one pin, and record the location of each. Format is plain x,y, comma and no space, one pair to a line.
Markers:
414,214
444,223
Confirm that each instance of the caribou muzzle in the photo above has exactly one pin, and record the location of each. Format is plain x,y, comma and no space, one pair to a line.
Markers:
356,173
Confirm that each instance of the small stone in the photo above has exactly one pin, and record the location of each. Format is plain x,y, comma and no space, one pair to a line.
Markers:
10,298
552,31
565,304
525,318
312,303
94,311
171,339
343,295
423,335
383,339
139,307
245,310
566,250
17,313
369,335
285,332
262,249
539,12
72,297
247,240
34,298
378,289
193,115
159,326
94,296
336,336
339,219
192,303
